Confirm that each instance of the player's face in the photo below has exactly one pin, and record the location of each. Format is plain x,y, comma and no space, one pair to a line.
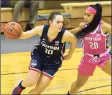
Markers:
88,16
57,23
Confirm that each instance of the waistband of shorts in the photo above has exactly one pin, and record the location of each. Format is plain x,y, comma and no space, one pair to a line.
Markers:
99,55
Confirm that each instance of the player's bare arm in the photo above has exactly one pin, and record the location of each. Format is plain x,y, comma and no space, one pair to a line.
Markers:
80,27
35,31
69,37
106,27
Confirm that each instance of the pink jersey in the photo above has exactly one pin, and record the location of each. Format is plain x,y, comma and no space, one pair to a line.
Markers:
96,52
95,42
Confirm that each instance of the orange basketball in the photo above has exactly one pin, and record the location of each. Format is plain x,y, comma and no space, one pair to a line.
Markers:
12,30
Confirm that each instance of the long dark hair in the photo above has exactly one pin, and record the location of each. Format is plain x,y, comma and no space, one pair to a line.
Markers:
93,24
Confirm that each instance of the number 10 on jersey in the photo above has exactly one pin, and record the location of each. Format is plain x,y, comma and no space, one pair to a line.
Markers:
47,51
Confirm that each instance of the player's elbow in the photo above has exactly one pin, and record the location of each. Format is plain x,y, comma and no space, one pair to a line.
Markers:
73,39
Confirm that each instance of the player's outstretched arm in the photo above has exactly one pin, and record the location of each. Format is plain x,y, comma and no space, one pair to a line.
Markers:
79,28
35,31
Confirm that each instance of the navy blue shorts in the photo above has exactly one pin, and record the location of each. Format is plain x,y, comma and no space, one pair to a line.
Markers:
47,66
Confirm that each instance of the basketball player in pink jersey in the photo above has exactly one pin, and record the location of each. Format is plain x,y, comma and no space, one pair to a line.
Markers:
94,34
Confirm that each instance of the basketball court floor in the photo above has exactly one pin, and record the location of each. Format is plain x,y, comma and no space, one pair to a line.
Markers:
15,59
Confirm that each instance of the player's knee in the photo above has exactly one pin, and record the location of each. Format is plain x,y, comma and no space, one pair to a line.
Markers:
21,3
32,82
36,3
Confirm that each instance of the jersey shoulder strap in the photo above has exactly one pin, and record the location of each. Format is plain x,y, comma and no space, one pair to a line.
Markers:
45,30
61,33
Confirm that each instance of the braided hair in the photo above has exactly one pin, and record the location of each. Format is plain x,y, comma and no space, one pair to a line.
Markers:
93,24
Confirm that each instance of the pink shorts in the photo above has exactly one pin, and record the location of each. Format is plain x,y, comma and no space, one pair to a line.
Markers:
87,67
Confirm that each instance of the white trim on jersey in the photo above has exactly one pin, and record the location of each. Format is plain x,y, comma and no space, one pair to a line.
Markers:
104,33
